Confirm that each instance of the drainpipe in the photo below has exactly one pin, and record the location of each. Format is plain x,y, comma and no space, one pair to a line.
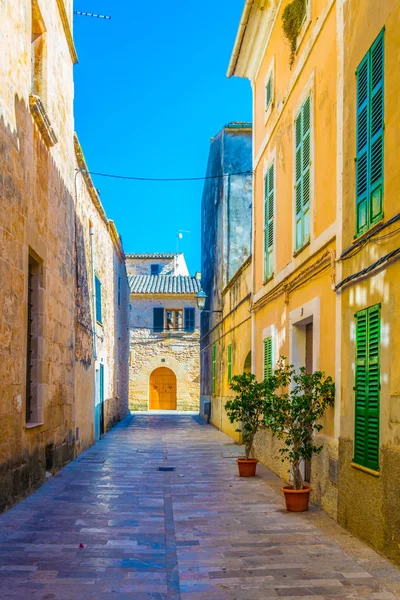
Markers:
220,395
91,233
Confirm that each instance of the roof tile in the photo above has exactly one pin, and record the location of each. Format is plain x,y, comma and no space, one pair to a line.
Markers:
164,284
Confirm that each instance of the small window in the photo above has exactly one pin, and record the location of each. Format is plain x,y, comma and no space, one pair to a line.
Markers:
173,320
155,269
367,388
268,92
119,291
99,317
268,357
369,137
269,226
32,343
302,136
214,369
229,349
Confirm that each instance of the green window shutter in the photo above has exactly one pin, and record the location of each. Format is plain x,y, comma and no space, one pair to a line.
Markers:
268,92
367,388
158,319
229,362
303,173
369,137
98,300
269,200
267,357
214,369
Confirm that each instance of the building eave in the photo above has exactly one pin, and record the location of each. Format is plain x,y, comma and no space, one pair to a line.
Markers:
253,34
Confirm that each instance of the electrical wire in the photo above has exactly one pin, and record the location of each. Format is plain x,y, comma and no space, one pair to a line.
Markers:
129,178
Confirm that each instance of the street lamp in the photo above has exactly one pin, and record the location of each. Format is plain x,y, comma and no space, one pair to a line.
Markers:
201,302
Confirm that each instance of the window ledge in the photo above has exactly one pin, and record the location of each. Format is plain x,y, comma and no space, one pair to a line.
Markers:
300,250
268,112
42,120
33,425
366,470
268,279
368,231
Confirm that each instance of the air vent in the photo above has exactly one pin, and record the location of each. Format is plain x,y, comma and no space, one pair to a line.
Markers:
166,468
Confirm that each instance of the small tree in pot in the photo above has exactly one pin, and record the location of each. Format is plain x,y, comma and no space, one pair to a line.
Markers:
248,409
294,416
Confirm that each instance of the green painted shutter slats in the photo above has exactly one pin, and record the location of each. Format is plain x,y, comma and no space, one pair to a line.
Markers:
303,173
158,319
268,92
99,317
267,357
269,201
369,145
214,369
229,362
367,388
189,319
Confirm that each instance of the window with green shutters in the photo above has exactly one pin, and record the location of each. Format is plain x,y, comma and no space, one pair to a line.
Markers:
303,173
214,369
268,92
267,357
229,362
269,200
367,388
99,317
369,138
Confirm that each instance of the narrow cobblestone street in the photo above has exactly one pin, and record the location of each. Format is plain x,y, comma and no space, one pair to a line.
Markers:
111,525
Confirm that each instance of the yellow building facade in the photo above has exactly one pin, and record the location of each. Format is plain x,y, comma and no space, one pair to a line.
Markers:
326,238
293,305
369,283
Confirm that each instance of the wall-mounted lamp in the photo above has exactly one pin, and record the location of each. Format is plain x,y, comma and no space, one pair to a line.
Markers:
201,302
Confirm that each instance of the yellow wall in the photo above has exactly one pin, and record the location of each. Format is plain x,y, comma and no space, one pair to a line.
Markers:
370,506
301,287
235,329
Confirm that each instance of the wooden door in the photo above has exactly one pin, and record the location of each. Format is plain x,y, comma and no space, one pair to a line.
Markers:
162,389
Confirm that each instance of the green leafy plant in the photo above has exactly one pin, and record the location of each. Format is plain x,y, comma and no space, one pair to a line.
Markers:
294,413
292,20
248,407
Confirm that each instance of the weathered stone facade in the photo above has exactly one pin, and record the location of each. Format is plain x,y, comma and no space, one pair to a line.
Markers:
40,420
149,349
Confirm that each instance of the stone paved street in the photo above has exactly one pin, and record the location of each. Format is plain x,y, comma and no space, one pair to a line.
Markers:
111,525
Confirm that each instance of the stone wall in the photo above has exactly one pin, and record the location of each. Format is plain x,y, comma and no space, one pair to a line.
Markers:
40,225
112,334
37,219
149,350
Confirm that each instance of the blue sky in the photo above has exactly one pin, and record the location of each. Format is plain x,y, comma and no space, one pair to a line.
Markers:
150,92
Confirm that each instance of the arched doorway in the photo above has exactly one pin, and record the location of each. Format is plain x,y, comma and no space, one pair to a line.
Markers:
162,389
247,364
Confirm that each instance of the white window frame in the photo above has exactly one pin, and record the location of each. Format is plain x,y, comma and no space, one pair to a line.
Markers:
267,163
309,90
270,73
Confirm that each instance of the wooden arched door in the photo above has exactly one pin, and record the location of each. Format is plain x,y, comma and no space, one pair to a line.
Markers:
162,389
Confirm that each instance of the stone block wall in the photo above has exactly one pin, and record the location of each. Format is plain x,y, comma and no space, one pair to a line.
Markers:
149,350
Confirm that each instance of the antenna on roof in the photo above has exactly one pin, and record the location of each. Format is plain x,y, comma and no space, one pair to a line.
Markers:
87,14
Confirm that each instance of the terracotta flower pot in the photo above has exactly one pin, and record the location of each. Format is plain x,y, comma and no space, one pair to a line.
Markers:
297,500
247,466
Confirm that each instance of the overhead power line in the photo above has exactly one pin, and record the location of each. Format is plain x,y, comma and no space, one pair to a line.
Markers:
164,178
87,14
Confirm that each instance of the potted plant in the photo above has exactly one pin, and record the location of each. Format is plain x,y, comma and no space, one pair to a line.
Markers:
247,409
294,415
